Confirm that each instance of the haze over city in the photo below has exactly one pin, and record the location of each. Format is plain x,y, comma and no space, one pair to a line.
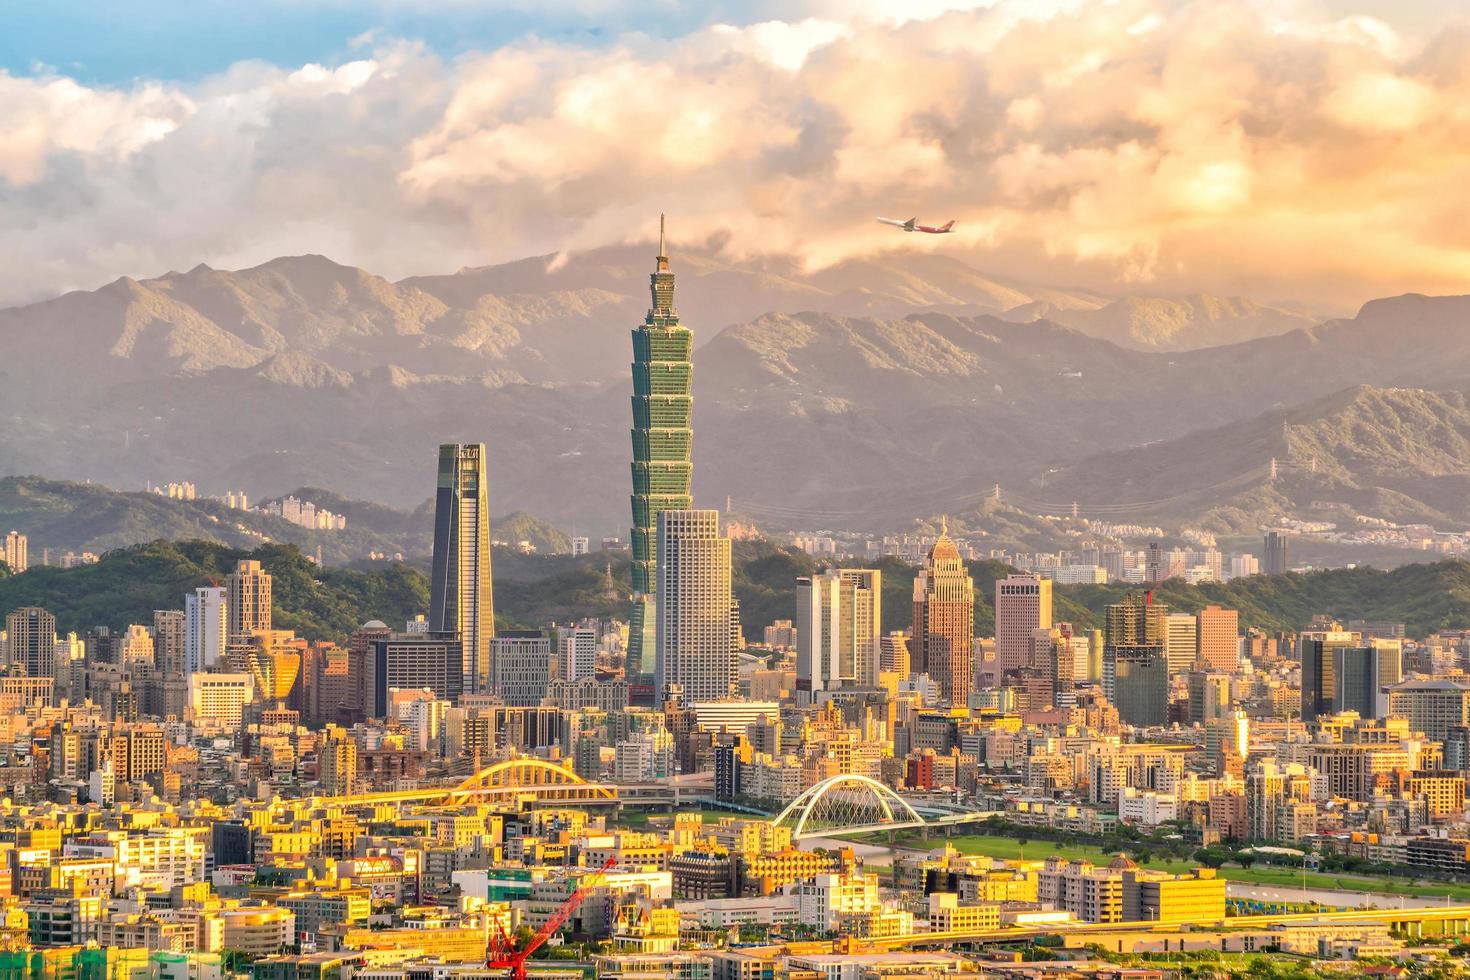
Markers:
734,491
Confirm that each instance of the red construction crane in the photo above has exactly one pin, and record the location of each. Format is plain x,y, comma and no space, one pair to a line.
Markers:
503,954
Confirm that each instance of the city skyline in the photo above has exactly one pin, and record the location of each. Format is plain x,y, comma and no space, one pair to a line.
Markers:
1055,619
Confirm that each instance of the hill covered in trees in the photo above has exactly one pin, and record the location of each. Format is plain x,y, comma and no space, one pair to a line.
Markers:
533,590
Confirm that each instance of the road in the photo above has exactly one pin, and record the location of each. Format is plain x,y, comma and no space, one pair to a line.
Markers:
1356,900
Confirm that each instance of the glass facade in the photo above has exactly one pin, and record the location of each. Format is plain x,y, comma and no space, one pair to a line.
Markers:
662,436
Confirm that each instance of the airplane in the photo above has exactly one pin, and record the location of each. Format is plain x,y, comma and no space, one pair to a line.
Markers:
913,225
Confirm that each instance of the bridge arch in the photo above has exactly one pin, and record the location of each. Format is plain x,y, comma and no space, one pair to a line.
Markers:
849,802
544,779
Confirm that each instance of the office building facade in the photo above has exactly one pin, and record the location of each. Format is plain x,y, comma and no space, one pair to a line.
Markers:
839,617
943,637
695,638
461,602
1022,605
662,469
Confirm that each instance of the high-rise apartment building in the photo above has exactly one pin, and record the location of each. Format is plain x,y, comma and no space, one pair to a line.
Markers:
1022,605
206,628
943,639
662,470
695,638
17,557
1274,561
337,763
1181,645
169,628
32,641
1218,633
249,601
460,599
839,617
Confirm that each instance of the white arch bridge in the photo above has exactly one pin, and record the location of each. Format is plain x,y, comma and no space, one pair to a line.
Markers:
854,804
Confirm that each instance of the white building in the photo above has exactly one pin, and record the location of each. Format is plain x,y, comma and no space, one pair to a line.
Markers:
839,623
205,623
1147,807
696,613
824,899
219,700
576,652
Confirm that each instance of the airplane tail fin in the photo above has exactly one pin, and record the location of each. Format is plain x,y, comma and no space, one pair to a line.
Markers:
947,225
909,224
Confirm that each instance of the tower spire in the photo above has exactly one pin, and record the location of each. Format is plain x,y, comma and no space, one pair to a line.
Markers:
661,252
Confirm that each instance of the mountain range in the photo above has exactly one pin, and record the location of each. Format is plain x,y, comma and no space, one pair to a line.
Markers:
861,395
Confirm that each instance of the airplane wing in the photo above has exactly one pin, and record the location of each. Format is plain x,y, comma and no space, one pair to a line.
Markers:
891,221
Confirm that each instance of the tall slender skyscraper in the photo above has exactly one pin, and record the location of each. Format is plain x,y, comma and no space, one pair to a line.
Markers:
460,600
695,639
662,434
944,621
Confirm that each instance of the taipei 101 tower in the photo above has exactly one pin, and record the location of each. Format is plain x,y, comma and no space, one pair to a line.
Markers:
662,407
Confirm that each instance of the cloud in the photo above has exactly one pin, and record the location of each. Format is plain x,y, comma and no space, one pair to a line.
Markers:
1235,147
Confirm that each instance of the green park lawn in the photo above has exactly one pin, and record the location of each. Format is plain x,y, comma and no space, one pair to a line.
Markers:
1007,847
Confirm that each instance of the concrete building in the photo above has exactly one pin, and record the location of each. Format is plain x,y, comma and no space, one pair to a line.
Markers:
432,661
220,699
1022,606
521,666
248,601
206,628
17,552
31,643
695,633
576,652
1218,631
839,617
1433,707
1181,641
943,636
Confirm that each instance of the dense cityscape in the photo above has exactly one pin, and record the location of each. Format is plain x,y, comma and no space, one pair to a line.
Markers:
206,795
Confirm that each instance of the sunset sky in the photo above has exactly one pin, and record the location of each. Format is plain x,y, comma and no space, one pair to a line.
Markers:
1310,151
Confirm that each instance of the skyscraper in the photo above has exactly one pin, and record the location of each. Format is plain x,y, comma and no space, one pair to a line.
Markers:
461,603
1218,633
32,641
249,602
838,634
1022,606
944,621
1135,660
662,435
1181,641
169,627
1319,670
1341,672
205,628
1275,561
695,644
